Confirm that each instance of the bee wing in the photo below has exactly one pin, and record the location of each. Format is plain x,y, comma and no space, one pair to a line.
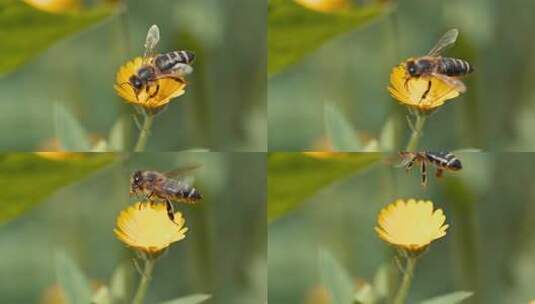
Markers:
179,71
182,172
151,41
447,40
456,83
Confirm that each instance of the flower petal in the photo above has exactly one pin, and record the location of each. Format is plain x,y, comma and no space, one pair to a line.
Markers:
411,224
147,227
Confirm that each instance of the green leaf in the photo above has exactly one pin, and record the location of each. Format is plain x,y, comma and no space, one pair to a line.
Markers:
27,178
295,30
336,279
26,31
120,282
71,279
117,140
294,177
191,299
450,298
380,281
387,140
70,133
339,131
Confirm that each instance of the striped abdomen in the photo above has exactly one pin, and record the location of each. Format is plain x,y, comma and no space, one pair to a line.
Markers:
444,160
168,61
454,67
182,192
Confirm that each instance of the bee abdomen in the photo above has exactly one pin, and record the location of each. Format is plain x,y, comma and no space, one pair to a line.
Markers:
454,67
169,60
190,195
444,160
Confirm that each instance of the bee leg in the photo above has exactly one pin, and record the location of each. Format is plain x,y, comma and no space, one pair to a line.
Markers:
170,210
148,198
410,164
439,172
155,91
423,170
424,95
406,82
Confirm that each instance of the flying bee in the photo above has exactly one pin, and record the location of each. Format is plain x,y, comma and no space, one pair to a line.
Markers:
444,68
168,187
171,65
443,161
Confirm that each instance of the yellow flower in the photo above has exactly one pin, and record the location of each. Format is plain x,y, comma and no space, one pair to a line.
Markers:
411,225
147,227
325,5
411,91
54,6
169,88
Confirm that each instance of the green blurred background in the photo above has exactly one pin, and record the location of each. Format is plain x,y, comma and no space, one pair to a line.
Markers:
223,254
224,106
489,247
352,71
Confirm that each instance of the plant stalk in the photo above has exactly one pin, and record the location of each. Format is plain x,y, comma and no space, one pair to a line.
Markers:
144,282
403,290
144,133
417,130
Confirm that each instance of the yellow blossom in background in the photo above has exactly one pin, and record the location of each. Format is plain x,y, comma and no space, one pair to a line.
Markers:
169,88
60,155
411,224
55,294
318,295
321,155
414,92
325,5
147,227
54,6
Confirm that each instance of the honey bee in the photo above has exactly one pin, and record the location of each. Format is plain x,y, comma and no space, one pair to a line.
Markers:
165,187
443,161
444,68
172,65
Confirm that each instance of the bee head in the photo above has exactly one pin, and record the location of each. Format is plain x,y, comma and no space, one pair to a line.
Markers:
413,68
456,165
136,182
136,82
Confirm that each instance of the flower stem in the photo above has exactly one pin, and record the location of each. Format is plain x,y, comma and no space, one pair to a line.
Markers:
403,290
144,133
416,132
145,280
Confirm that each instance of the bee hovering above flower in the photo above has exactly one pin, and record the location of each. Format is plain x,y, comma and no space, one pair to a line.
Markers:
171,65
172,186
444,68
443,161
